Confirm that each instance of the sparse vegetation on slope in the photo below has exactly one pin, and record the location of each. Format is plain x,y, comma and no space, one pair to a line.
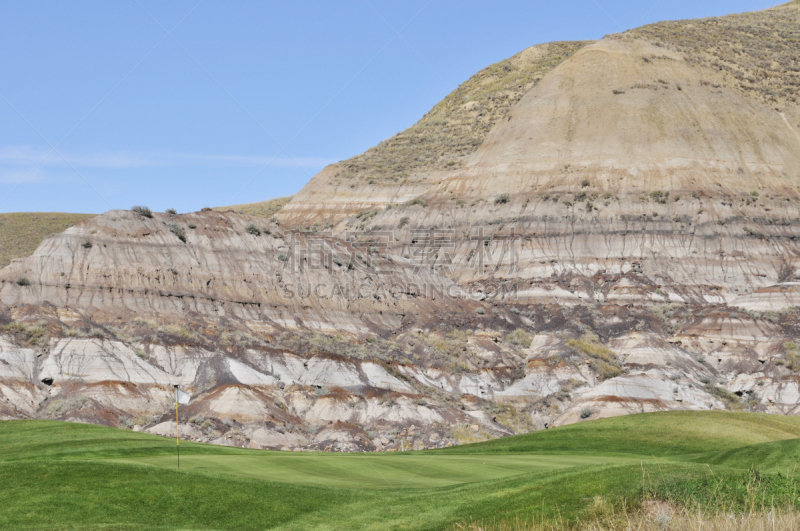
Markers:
264,209
758,51
457,125
22,232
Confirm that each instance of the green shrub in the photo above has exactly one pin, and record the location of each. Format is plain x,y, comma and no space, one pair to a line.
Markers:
405,220
178,231
608,365
730,399
588,345
22,281
366,214
171,211
659,196
520,337
86,245
586,412
24,334
191,225
792,350
143,211
419,202
502,199
606,371
252,229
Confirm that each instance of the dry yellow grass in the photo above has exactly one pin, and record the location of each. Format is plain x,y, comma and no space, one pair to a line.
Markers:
457,125
662,518
759,52
22,232
264,209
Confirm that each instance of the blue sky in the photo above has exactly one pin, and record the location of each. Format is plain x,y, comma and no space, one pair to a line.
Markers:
187,104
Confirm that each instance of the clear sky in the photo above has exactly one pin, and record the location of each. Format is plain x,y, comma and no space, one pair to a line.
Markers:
192,103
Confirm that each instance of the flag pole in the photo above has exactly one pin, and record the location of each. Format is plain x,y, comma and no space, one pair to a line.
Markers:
177,434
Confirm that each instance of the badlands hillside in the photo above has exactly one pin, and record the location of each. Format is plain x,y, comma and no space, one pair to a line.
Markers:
584,230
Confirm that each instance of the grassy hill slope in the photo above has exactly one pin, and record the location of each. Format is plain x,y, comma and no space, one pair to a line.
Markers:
668,433
264,209
22,232
75,476
758,51
457,125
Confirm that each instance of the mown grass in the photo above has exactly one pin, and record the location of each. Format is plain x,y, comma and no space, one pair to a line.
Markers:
664,434
22,232
71,476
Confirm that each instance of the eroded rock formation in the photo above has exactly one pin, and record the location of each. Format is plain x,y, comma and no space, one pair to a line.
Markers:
584,230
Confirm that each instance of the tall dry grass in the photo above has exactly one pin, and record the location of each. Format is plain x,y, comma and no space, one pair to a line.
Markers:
664,518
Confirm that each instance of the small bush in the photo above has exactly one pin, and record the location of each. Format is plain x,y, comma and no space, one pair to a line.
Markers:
792,350
191,225
419,202
730,399
22,281
24,334
86,245
520,337
586,412
606,371
283,257
171,211
607,365
585,183
405,220
502,199
588,345
480,311
252,229
366,214
143,211
659,196
178,231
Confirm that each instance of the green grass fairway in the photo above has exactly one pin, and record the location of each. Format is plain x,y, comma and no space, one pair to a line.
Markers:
374,471
59,475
